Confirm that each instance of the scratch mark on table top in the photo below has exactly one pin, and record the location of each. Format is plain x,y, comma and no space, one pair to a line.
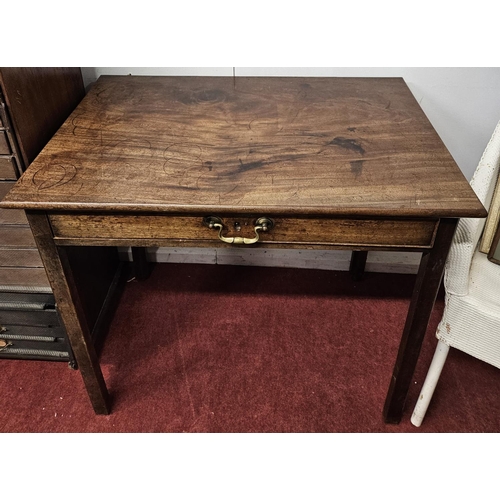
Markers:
50,176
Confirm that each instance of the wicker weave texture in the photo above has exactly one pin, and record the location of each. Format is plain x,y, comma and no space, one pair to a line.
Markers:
471,319
469,230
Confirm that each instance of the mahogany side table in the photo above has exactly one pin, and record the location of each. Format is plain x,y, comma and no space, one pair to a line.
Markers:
348,163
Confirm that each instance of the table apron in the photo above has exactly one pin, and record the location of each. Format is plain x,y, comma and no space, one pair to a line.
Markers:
179,230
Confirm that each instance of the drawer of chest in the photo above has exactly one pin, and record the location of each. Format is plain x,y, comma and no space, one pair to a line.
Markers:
29,333
34,342
28,309
282,231
4,145
7,169
16,236
29,317
10,216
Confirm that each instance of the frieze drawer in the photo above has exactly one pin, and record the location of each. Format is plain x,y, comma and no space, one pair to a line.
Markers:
116,228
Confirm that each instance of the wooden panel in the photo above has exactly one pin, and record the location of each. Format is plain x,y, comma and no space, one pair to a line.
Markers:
10,216
7,169
39,100
43,298
4,145
5,188
30,318
16,237
30,331
19,257
13,277
16,216
385,233
305,146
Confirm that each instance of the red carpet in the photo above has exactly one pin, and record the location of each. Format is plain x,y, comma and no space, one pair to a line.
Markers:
202,348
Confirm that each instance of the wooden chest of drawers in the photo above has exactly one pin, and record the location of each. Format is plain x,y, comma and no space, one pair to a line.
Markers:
30,328
33,104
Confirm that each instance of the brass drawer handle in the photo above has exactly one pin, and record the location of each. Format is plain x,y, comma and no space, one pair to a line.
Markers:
262,224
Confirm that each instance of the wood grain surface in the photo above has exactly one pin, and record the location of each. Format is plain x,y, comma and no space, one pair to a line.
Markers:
34,277
16,236
310,146
20,257
4,146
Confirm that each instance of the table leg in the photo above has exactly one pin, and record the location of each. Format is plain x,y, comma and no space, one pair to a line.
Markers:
141,266
71,310
358,263
429,278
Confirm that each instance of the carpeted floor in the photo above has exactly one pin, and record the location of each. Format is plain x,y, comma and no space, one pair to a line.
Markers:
203,348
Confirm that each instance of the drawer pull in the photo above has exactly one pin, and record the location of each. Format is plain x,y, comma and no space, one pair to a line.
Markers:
4,344
31,338
35,352
262,224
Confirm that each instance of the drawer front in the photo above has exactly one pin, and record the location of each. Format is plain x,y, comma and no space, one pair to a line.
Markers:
7,169
20,258
47,319
30,332
10,216
16,236
114,229
27,333
18,342
15,216
24,279
15,346
39,353
4,145
47,299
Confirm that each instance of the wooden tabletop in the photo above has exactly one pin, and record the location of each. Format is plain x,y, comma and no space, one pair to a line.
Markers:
319,146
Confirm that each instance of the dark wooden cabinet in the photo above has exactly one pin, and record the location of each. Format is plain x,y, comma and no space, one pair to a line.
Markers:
34,102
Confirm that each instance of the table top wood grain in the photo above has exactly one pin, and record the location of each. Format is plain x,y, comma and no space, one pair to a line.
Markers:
307,146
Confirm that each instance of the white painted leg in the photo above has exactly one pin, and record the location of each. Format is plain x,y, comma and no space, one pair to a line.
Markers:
430,383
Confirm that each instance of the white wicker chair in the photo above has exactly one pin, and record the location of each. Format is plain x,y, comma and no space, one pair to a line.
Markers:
471,318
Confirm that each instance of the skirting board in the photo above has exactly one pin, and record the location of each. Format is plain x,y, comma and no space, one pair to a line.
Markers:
335,260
